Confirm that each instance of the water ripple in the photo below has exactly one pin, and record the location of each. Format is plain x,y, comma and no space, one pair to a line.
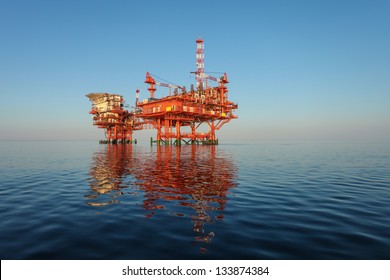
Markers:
79,200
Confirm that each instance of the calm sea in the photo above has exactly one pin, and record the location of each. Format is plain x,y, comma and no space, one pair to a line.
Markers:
82,200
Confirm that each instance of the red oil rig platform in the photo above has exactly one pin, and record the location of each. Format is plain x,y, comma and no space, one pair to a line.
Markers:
178,118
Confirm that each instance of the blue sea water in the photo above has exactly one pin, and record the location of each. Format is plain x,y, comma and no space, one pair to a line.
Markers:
300,200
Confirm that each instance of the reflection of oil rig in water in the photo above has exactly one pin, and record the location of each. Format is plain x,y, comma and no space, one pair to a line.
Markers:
189,182
176,117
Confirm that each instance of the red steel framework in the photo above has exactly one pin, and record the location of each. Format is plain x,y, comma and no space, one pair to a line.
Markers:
177,118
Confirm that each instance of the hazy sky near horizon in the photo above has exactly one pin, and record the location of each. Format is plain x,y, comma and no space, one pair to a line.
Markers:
298,69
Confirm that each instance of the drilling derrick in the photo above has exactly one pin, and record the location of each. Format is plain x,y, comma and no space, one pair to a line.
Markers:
199,62
108,114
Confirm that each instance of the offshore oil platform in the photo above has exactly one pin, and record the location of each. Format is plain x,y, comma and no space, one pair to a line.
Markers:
177,117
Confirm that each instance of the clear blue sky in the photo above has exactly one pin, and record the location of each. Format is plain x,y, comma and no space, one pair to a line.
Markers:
298,69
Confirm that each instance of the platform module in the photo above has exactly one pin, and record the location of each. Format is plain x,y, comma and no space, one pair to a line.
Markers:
178,118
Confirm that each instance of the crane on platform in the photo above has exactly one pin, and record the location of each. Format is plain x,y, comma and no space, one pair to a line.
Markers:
223,79
152,85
